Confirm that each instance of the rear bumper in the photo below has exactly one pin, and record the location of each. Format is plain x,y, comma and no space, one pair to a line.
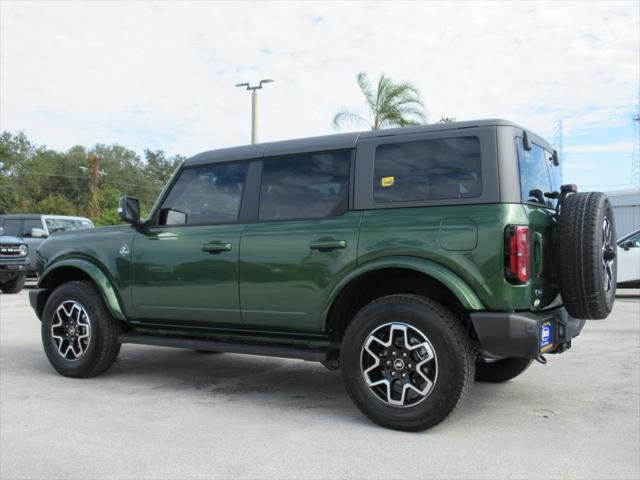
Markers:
518,334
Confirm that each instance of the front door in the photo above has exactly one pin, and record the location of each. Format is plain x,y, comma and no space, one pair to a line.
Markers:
303,242
186,263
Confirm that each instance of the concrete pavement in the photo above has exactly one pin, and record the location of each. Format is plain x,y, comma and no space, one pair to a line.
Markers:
163,413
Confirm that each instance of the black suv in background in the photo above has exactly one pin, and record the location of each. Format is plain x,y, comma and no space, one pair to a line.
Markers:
14,262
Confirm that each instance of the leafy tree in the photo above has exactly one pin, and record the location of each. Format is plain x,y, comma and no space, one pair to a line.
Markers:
389,105
38,179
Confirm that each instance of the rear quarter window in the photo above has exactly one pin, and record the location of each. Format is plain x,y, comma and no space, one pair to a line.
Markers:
445,168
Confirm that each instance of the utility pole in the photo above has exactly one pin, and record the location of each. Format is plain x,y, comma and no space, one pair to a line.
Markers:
635,155
93,207
254,105
558,137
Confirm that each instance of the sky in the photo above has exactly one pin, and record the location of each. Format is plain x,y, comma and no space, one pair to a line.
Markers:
162,75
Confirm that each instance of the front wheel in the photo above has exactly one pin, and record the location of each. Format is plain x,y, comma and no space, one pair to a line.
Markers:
15,285
406,362
79,335
502,370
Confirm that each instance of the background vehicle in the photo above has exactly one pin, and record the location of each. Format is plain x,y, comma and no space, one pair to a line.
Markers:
14,262
629,260
414,259
34,228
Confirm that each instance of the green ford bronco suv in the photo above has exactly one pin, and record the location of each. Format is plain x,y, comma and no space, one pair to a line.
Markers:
415,260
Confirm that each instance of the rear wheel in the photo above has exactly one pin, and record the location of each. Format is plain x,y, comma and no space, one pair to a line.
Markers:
15,285
498,371
406,362
79,335
586,255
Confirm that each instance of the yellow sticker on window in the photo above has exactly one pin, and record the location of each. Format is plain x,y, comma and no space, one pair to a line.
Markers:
388,181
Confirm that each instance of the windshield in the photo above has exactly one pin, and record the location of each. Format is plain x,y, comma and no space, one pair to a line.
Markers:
56,224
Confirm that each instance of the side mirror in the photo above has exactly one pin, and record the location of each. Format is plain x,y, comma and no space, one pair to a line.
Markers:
38,233
129,210
628,244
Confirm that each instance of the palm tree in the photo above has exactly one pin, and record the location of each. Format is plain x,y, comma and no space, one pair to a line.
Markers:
391,105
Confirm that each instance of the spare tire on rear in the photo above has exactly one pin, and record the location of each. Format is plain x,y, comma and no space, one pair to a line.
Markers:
586,255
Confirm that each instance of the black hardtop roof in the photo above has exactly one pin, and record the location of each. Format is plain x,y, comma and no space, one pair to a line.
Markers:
340,141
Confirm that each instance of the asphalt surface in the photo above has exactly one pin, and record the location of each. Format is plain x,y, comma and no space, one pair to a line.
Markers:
163,413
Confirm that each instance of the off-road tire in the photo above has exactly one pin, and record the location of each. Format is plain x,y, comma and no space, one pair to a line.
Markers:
103,346
15,285
453,351
502,370
580,252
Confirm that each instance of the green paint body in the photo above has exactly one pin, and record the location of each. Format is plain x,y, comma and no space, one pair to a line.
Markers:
267,280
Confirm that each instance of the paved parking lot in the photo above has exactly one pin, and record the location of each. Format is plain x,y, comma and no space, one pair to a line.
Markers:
162,413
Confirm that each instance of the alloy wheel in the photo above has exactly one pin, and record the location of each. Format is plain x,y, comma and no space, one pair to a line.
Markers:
608,253
399,364
71,330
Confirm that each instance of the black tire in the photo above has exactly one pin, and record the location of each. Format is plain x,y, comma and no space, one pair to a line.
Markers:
585,256
102,348
15,285
454,361
503,370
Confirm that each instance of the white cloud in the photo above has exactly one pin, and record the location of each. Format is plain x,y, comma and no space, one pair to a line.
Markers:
161,75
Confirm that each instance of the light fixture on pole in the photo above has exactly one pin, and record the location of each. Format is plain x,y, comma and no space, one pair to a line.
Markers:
254,104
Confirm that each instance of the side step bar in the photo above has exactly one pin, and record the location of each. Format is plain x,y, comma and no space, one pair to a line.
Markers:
266,350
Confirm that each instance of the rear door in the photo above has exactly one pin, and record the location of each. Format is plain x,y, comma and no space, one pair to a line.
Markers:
186,264
538,176
303,241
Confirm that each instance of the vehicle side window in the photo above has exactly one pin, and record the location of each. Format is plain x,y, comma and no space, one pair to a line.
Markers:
443,168
534,174
29,224
305,186
12,228
205,195
635,239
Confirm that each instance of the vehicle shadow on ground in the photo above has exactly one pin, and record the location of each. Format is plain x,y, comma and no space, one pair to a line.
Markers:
258,381
243,380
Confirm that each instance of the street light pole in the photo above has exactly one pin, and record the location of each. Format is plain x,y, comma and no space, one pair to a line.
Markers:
254,105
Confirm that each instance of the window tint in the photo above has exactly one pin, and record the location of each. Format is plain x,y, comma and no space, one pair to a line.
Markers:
12,228
305,186
427,170
534,174
205,195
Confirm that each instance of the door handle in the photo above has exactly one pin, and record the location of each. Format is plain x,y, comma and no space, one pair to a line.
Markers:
327,245
216,247
539,252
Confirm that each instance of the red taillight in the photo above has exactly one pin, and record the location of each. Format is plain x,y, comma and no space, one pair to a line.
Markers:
517,254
